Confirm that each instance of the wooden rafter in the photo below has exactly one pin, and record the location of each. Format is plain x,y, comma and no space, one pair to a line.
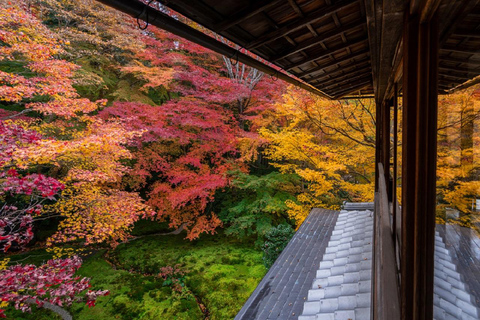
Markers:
245,14
454,79
296,8
473,62
346,76
320,39
458,69
323,54
351,89
345,82
460,49
315,16
467,33
342,71
333,63
458,73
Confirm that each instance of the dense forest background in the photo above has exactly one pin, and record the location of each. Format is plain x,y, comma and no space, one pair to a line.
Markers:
176,174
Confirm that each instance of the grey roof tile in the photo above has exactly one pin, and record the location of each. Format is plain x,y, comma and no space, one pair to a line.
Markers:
326,264
329,256
450,308
331,249
333,291
438,313
313,317
461,294
363,299
352,277
444,294
316,294
362,314
466,316
344,315
324,273
328,305
349,289
456,283
365,286
340,261
311,307
441,283
339,270
451,274
347,303
467,308
325,316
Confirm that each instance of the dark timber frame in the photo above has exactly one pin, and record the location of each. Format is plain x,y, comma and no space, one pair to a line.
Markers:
357,49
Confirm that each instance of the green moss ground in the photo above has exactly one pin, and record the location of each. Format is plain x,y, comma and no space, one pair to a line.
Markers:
221,272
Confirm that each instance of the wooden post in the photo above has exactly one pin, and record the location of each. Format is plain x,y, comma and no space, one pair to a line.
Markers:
419,150
378,140
385,143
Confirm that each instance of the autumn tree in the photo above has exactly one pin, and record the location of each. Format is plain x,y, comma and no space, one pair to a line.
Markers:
81,150
329,145
458,171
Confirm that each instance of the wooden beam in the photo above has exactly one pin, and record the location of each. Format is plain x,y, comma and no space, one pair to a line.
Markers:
359,86
458,69
366,70
333,63
456,80
323,54
389,36
472,62
458,75
318,40
457,11
467,33
345,82
419,155
372,26
363,67
242,15
296,8
315,16
469,50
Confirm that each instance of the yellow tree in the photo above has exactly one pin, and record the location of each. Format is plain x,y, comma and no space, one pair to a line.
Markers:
329,144
458,173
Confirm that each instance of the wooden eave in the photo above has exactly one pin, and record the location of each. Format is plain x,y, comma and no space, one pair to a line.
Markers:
310,42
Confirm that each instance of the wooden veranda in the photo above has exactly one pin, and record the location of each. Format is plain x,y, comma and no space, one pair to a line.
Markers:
360,48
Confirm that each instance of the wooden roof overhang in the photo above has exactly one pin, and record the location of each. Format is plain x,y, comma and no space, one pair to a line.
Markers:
332,48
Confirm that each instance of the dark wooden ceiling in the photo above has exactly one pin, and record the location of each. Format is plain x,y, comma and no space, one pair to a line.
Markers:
326,43
322,42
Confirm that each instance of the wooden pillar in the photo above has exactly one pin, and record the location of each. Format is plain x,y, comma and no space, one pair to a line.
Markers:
385,143
420,65
378,140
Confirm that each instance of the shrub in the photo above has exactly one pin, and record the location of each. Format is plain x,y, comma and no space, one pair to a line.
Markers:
276,239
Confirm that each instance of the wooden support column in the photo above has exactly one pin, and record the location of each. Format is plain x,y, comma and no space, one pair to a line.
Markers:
378,141
419,150
386,145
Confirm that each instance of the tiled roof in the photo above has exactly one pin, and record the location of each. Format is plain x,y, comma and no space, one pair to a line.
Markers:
451,298
342,287
325,271
281,293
